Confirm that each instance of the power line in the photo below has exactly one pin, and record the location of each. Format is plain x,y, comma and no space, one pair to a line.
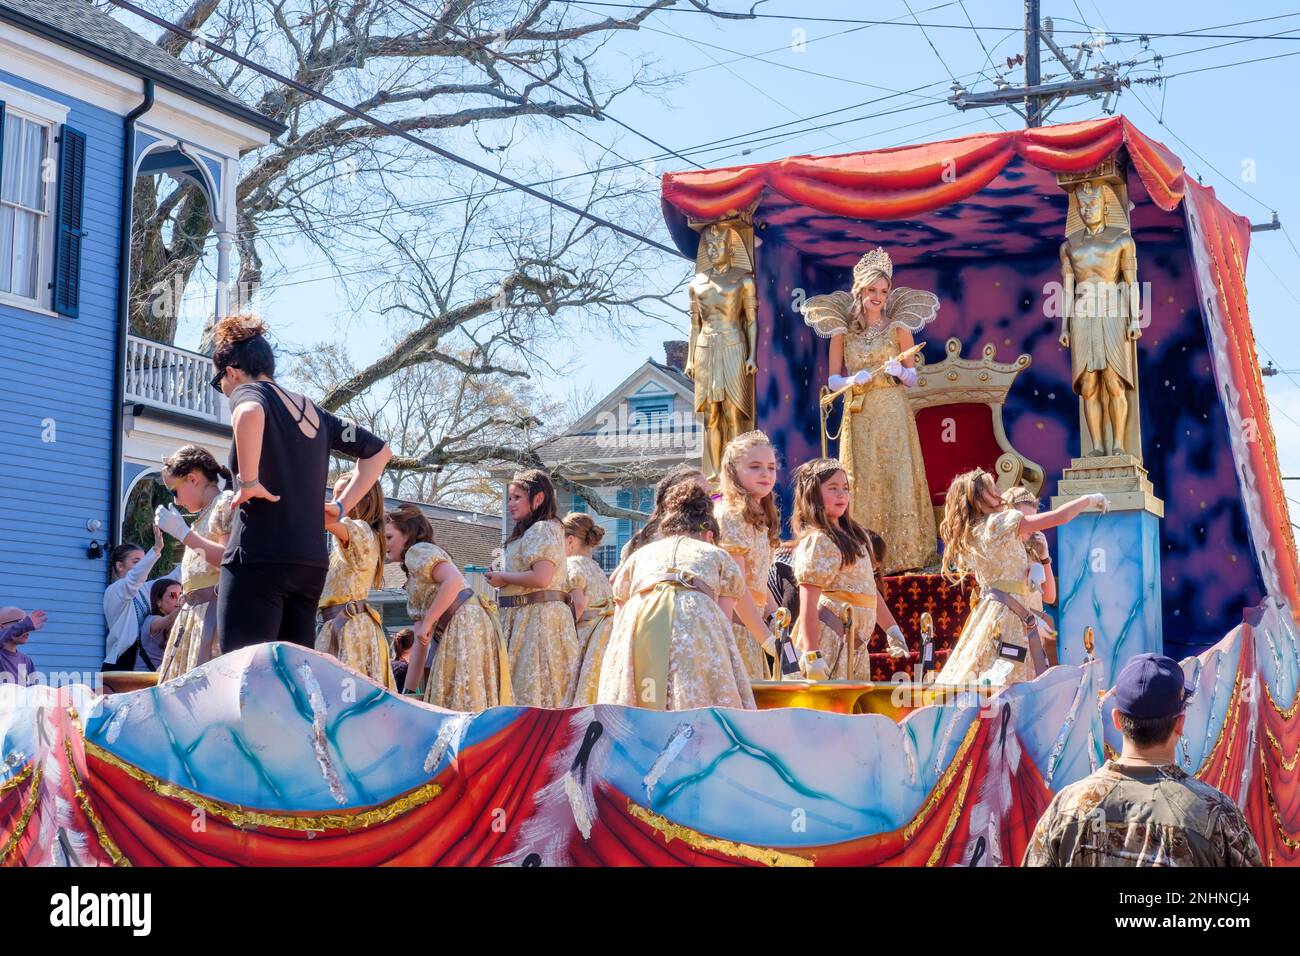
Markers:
1224,66
390,128
1135,34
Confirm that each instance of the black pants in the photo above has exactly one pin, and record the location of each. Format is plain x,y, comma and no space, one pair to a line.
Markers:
260,602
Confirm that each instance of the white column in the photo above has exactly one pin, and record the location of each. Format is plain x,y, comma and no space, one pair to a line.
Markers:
225,242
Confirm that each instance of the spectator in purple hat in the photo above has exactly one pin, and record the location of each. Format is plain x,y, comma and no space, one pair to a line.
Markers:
1142,809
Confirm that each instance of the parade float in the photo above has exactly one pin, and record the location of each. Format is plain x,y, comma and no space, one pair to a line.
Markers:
279,755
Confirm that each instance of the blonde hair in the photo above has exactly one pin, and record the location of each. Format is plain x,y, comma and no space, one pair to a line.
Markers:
761,513
963,511
582,527
1019,495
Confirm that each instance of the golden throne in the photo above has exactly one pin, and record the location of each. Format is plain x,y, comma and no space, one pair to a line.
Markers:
958,407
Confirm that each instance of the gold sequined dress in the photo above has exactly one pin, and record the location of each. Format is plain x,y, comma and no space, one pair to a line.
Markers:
593,633
672,647
194,639
543,640
881,452
1000,561
848,592
357,640
469,671
747,543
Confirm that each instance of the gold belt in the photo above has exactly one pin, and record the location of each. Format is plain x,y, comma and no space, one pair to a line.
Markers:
1020,588
683,579
854,598
595,611
532,597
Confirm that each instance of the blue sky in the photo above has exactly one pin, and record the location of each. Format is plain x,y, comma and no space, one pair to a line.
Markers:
736,76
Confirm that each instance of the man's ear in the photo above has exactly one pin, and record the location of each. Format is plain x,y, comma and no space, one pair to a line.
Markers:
1178,725
1114,719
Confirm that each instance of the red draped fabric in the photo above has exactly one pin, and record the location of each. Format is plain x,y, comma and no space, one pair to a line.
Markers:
907,181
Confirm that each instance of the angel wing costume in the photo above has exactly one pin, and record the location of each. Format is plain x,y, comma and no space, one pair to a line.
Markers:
879,445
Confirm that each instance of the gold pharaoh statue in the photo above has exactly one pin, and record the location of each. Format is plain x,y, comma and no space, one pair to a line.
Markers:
724,339
1100,310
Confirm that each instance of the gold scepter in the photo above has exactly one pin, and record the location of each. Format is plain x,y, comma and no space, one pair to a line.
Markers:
828,397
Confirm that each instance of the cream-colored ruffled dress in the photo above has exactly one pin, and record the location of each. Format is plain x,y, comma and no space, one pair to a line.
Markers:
1000,560
672,647
358,641
543,640
194,639
469,671
817,563
593,635
742,540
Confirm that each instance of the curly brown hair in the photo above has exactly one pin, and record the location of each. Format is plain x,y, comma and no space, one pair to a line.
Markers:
674,477
688,509
241,343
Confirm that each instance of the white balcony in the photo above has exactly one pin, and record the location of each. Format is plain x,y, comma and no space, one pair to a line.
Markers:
163,376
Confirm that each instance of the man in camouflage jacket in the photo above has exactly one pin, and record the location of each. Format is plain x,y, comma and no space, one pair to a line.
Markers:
1142,809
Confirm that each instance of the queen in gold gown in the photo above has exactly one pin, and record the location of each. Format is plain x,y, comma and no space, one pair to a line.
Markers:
354,633
983,539
469,671
592,600
749,529
869,328
191,474
672,646
532,592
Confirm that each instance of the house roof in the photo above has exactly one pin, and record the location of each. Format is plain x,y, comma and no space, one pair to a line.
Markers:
80,26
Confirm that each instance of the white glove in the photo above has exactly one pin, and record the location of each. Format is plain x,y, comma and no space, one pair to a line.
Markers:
862,378
170,520
1100,500
813,666
896,643
1037,574
907,376
894,367
836,382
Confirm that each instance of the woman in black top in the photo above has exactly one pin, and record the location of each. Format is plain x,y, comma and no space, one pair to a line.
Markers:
274,567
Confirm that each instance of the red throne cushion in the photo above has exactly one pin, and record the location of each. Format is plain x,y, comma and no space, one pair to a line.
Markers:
908,595
975,446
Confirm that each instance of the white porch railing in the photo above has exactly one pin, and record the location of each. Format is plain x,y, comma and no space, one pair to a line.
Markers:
167,377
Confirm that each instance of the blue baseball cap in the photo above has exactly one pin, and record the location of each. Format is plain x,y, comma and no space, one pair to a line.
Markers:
1151,686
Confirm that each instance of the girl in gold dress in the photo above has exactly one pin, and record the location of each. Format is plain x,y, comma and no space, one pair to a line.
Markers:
351,630
980,537
837,584
870,327
191,474
750,527
672,646
591,598
469,672
540,631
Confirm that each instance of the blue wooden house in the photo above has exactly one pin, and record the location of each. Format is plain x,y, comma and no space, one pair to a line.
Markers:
86,106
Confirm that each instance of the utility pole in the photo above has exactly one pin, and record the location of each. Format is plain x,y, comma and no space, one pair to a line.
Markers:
1036,100
1033,102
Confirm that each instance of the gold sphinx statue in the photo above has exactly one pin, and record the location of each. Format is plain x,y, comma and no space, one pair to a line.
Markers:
724,339
1101,305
